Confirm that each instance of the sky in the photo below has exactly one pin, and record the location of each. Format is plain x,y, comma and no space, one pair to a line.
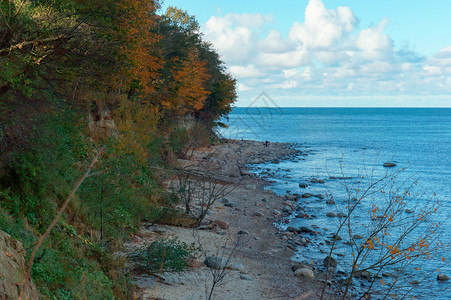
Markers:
331,53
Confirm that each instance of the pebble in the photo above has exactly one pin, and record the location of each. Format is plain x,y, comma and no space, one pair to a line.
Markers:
237,267
244,277
286,209
331,215
243,232
230,204
332,262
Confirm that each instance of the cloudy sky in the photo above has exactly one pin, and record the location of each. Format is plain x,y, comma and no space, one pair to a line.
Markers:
331,52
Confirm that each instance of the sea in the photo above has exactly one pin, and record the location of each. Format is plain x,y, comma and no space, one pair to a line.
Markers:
342,150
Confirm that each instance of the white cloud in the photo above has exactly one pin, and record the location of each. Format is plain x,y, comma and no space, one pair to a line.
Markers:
288,73
289,59
327,54
322,27
374,43
245,71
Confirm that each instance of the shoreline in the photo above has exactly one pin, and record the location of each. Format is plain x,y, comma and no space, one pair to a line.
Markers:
262,265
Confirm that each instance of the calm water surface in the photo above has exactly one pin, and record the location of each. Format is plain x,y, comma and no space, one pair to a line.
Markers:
350,142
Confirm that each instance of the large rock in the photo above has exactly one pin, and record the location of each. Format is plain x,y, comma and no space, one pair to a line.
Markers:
221,224
300,266
389,164
306,229
304,273
215,262
293,229
442,277
12,269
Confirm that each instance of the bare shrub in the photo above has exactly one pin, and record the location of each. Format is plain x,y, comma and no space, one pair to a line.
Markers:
224,255
396,236
195,188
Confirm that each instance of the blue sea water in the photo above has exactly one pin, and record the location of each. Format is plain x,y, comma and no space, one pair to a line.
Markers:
351,142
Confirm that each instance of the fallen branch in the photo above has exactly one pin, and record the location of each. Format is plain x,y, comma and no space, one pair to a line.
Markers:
29,44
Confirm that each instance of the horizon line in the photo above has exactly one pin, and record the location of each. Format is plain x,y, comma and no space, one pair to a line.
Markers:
342,107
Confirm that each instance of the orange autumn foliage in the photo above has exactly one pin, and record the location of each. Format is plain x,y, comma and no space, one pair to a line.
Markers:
190,78
137,41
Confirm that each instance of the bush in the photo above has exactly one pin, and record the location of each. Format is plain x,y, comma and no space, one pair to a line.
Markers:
164,256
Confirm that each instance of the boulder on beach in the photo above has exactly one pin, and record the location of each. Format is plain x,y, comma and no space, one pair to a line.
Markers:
304,273
306,229
221,224
389,164
300,266
293,229
215,262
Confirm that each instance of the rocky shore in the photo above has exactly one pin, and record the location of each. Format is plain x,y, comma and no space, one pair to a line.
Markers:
238,231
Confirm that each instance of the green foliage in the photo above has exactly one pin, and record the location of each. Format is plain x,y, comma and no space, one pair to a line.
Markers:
165,256
62,60
36,179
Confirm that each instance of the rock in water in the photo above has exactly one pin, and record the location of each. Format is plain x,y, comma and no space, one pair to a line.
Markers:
442,277
389,164
303,185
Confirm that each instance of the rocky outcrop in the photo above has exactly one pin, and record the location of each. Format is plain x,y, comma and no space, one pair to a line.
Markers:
12,269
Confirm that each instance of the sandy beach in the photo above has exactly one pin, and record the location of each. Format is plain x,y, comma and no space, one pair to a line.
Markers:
260,266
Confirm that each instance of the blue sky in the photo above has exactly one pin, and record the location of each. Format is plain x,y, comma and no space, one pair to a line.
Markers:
330,52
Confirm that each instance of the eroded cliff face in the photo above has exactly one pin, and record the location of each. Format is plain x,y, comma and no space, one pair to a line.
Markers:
12,269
